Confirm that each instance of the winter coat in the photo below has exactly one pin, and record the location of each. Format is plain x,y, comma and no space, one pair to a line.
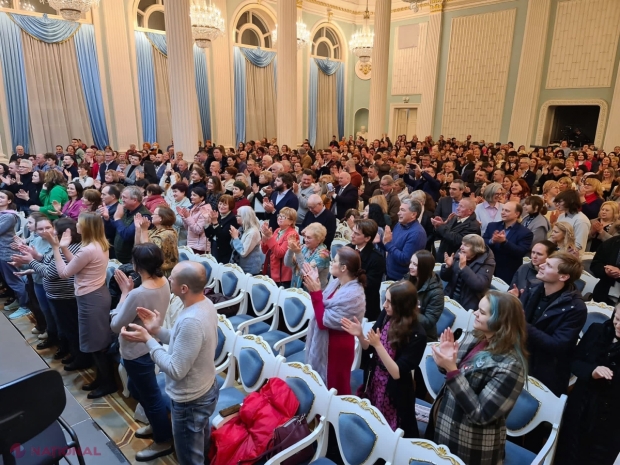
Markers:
431,303
195,225
476,276
275,249
219,235
552,339
607,254
525,277
473,405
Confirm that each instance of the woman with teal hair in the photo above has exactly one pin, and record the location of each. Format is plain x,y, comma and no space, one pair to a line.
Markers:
485,373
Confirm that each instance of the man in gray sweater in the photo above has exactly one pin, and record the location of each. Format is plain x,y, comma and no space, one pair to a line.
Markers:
189,363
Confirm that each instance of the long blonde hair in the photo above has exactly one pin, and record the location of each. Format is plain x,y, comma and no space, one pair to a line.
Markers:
92,230
569,236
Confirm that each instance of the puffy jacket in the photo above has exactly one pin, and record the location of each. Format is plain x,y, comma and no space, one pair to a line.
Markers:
247,436
431,302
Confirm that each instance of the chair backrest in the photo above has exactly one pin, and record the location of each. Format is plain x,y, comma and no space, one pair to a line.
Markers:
433,378
174,308
296,309
233,280
363,433
453,316
597,313
526,260
586,260
420,452
311,392
186,253
254,361
382,291
499,285
212,267
336,244
590,282
357,360
263,293
226,337
28,406
113,264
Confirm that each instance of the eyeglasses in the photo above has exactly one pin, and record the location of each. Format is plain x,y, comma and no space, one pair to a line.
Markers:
283,217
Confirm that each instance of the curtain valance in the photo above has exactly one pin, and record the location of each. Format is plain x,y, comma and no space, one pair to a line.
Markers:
327,66
258,57
159,42
50,31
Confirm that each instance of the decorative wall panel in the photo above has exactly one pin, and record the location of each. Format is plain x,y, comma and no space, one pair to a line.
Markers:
407,64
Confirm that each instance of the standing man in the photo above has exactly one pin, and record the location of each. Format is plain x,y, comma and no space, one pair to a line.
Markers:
524,172
386,188
283,196
303,191
448,205
345,196
371,184
109,163
509,240
317,213
124,222
408,237
452,232
109,197
189,362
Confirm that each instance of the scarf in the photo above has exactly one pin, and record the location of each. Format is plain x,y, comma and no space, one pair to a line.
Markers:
348,302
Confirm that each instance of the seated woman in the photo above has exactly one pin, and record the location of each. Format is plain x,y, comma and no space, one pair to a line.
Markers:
73,207
563,236
468,272
330,350
154,197
246,242
274,245
519,191
154,292
313,252
430,291
469,414
397,342
525,277
601,227
535,219
162,235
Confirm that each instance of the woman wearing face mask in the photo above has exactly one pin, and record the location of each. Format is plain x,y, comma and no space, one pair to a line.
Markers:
485,373
590,427
397,342
525,277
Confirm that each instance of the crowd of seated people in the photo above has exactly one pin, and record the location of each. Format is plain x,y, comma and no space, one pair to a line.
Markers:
440,219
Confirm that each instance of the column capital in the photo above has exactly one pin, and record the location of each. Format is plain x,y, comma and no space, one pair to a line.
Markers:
436,6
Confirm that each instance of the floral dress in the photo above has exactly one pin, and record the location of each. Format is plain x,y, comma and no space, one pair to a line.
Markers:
376,391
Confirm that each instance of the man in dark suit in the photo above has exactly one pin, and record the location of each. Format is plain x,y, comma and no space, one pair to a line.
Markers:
345,196
524,172
317,213
371,184
108,164
364,231
386,188
448,205
452,232
509,240
282,196
606,267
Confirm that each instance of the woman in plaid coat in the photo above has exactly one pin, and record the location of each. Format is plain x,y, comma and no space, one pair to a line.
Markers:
485,373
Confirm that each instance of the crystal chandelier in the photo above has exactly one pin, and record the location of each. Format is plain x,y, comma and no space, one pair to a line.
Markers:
413,5
207,23
72,10
361,42
303,35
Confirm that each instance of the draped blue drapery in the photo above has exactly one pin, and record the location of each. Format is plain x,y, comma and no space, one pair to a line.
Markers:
327,67
84,41
146,84
159,41
258,57
240,99
202,90
14,73
45,29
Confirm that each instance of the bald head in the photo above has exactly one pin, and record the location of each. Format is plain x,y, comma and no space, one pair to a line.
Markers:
315,204
190,274
344,178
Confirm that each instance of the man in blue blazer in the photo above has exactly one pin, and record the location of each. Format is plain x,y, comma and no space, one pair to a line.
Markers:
282,196
509,240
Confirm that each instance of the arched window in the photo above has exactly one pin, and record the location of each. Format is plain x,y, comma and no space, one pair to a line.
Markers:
35,6
150,15
326,44
253,29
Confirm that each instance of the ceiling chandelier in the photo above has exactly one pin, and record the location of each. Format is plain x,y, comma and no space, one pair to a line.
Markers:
361,42
72,10
413,5
303,35
207,23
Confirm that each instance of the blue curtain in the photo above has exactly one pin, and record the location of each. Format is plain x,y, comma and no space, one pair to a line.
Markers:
258,57
86,53
46,30
340,88
12,56
146,84
239,95
313,95
202,90
159,41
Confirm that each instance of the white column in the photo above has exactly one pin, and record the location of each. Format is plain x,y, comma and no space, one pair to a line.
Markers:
527,89
182,79
379,79
286,89
222,95
301,129
426,112
113,28
612,136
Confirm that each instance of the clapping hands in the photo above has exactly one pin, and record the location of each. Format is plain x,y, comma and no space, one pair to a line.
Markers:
446,352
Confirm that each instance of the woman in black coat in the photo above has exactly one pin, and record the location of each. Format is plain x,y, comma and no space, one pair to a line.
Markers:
590,426
397,342
218,231
430,291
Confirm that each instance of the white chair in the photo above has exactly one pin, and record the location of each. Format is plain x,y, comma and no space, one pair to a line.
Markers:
433,378
535,405
113,264
186,253
336,244
357,374
526,260
382,290
597,313
231,282
499,285
586,260
212,267
314,401
453,316
437,267
263,293
363,434
590,282
424,452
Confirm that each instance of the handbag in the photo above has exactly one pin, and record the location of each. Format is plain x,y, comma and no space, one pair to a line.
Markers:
285,436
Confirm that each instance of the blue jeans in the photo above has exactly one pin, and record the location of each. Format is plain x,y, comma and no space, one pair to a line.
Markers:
52,326
143,387
14,282
191,428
